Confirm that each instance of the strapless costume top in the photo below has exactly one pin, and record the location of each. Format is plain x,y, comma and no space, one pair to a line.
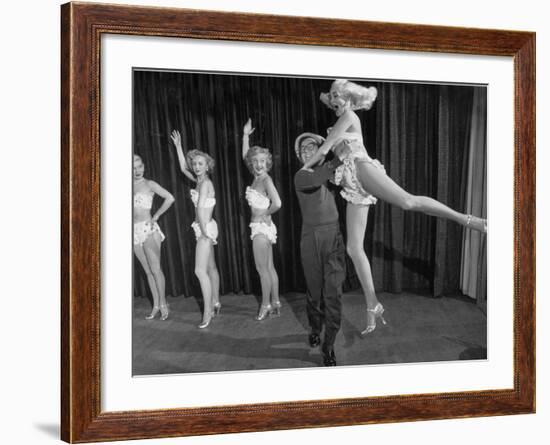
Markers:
208,203
257,199
143,200
355,143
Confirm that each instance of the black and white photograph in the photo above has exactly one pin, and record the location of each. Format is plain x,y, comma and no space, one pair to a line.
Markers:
285,222
330,232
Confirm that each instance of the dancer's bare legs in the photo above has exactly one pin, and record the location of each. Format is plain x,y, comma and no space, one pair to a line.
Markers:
214,276
275,302
152,248
356,224
382,186
148,255
140,255
260,248
202,254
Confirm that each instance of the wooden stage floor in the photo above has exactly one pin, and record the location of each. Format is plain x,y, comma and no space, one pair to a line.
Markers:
419,329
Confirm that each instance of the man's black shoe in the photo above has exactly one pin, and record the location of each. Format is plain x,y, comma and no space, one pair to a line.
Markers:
314,340
329,358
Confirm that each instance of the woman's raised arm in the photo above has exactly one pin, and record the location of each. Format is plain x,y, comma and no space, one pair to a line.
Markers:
176,139
247,131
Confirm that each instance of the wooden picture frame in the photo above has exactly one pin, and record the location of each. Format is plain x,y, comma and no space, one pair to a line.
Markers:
82,26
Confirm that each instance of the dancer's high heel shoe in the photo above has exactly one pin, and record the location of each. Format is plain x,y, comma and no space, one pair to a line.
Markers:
377,313
205,323
475,223
275,309
264,312
164,312
217,309
153,313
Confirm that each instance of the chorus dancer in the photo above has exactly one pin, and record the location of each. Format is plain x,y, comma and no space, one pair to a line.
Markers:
364,180
264,200
148,237
204,226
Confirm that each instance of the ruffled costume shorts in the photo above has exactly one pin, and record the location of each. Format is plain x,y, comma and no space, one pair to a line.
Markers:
262,228
211,231
346,175
144,229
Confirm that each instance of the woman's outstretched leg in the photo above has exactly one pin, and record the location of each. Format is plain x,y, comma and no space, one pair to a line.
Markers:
382,186
260,247
202,252
356,224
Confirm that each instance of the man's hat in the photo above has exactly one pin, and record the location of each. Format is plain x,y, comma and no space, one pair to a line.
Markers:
318,139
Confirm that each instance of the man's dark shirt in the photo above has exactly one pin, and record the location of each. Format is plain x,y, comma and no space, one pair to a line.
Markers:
316,200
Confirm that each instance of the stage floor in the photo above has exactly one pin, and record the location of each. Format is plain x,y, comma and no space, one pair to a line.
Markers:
420,329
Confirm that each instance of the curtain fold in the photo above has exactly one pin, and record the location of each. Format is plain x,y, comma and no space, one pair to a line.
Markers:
417,131
473,280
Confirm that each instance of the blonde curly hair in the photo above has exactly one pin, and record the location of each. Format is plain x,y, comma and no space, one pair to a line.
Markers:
256,150
192,154
360,97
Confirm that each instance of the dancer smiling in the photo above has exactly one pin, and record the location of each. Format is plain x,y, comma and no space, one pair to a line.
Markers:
205,227
148,236
264,200
364,180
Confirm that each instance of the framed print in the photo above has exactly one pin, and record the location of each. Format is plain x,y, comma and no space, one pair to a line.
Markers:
313,231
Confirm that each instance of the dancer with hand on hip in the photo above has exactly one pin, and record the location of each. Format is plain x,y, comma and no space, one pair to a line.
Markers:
148,237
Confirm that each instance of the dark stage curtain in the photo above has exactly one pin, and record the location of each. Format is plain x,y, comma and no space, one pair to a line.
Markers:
419,132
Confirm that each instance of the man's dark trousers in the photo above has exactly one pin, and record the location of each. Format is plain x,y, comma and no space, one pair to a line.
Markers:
323,260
